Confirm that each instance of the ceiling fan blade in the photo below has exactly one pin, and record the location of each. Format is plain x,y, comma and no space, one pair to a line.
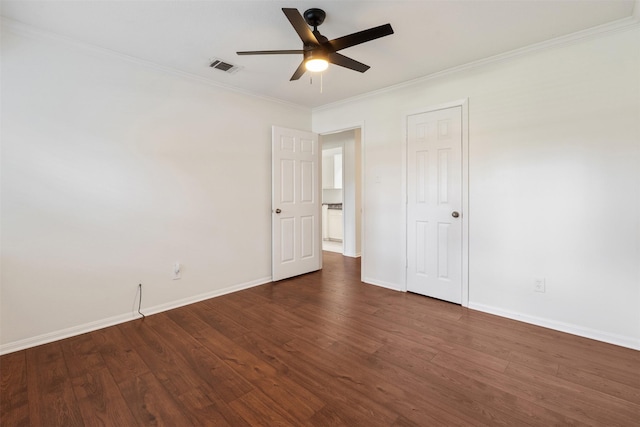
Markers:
361,37
299,72
344,61
271,52
301,27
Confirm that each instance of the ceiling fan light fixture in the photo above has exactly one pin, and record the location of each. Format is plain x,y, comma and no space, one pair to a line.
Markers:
316,64
317,50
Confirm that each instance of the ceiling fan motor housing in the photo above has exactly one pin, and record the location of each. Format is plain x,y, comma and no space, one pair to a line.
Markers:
314,17
317,53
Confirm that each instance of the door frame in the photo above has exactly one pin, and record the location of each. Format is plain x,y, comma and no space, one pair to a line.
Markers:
345,127
464,104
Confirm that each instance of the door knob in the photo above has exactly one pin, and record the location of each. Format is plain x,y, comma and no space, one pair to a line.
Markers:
455,214
278,211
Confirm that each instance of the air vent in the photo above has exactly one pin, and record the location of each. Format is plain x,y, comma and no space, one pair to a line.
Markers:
219,64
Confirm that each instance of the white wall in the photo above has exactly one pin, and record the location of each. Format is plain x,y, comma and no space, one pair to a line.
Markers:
554,191
111,172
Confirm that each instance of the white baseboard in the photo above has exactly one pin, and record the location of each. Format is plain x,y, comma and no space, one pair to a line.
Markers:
65,333
352,254
201,297
594,334
110,321
392,286
11,347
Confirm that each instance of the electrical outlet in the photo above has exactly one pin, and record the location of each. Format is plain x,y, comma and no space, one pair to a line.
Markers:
177,271
539,284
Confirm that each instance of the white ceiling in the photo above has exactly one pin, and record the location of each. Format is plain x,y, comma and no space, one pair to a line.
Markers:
430,36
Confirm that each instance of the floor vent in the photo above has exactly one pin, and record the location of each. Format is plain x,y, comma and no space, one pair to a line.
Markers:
219,64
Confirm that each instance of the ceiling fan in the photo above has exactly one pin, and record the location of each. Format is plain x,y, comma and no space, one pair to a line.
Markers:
317,50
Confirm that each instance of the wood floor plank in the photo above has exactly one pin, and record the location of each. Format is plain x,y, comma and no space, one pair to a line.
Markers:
452,335
351,374
181,369
523,408
215,320
546,365
14,401
301,401
594,405
438,384
354,407
361,337
151,404
256,408
50,392
210,411
535,340
322,349
119,355
271,315
561,408
596,382
81,355
99,399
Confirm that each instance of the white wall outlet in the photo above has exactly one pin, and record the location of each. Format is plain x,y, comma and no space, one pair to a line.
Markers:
177,271
539,284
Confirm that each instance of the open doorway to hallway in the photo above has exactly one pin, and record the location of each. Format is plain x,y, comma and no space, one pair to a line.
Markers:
342,192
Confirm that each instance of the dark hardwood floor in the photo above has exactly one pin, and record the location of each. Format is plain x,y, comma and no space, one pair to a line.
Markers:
321,349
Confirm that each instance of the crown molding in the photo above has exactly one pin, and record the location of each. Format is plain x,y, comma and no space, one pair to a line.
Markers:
620,25
34,33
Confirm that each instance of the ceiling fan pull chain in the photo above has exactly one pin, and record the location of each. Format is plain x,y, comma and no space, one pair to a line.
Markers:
321,74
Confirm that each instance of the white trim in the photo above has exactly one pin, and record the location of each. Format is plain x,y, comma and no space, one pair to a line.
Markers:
624,341
208,295
464,105
404,251
351,255
619,25
111,321
65,333
615,26
383,284
353,126
363,197
28,31
466,212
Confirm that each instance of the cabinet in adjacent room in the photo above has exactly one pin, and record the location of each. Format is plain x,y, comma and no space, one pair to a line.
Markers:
335,224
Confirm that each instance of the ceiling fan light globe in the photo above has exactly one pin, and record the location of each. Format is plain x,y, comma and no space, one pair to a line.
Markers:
316,65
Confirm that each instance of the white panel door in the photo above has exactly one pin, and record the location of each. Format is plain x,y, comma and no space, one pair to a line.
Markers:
296,208
434,203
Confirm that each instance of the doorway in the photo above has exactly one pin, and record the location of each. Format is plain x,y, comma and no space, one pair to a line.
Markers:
342,192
